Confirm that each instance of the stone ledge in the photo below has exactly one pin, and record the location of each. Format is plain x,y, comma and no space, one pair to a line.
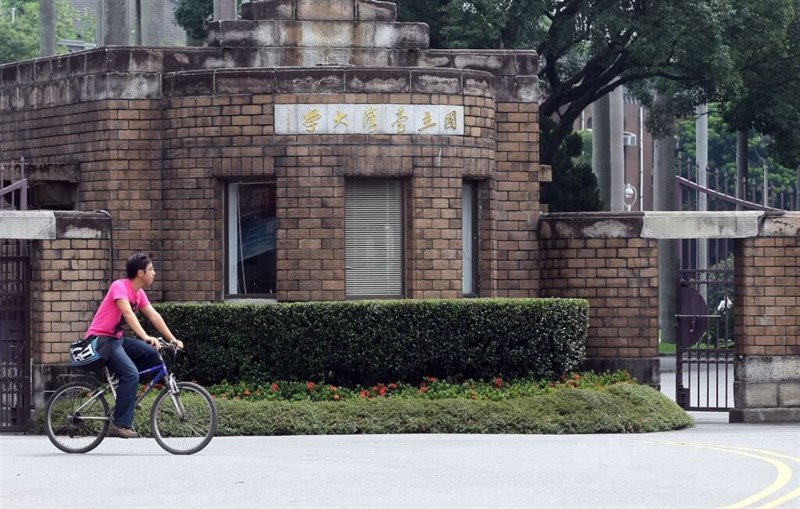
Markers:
767,368
651,225
591,225
320,34
764,415
320,80
316,10
50,225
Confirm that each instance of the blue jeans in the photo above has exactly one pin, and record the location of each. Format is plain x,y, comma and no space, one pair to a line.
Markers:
129,356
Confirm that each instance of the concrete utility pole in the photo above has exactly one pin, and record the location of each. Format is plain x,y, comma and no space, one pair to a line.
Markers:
150,15
601,148
224,9
617,150
47,28
701,149
742,169
113,23
608,152
664,200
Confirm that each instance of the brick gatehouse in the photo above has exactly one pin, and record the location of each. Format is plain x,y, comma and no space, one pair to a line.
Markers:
312,151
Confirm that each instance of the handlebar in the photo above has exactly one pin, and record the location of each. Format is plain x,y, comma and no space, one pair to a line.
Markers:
166,345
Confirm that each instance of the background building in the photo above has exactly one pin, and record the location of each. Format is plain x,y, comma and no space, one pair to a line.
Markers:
162,10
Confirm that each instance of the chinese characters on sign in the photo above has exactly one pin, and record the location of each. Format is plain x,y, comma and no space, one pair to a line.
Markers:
409,119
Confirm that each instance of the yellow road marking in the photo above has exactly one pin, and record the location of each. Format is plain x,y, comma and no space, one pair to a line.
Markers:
784,472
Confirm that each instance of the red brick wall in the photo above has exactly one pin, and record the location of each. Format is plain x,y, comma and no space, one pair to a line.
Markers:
117,145
767,283
515,195
69,279
619,277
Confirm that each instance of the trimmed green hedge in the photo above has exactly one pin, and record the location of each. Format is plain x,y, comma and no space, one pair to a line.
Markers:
362,343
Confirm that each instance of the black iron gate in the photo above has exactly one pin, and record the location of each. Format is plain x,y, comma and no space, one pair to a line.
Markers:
15,392
14,355
705,350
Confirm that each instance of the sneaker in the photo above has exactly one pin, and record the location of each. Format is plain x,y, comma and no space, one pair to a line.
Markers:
121,431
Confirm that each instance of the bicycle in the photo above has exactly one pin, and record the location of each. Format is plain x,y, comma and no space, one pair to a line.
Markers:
183,418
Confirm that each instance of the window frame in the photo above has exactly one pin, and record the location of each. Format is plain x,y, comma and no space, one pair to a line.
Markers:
229,267
473,186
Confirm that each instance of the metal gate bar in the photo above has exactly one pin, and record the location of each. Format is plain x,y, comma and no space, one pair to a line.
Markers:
705,350
15,393
14,366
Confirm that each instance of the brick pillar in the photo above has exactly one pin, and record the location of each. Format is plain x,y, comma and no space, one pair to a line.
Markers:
514,201
767,329
601,258
69,279
310,208
434,214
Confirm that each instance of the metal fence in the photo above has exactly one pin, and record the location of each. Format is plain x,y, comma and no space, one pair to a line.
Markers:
14,307
722,195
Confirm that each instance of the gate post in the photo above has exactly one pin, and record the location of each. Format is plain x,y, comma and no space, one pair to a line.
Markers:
70,270
602,257
767,323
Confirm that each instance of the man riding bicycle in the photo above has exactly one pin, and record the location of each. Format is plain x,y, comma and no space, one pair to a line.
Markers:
127,356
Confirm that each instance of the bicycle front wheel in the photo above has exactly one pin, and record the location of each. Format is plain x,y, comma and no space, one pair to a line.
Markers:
76,420
184,423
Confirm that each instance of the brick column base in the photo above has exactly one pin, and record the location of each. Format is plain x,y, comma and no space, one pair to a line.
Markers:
766,389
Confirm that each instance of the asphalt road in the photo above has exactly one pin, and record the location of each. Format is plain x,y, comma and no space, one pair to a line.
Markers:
713,465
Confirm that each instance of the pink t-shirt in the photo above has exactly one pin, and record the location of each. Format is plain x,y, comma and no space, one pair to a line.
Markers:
108,319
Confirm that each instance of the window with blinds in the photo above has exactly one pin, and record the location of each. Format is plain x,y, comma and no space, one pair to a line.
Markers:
374,238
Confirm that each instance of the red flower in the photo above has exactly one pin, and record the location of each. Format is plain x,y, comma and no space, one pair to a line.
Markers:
498,382
432,379
275,387
246,392
334,388
392,386
382,391
423,388
363,394
336,397
310,386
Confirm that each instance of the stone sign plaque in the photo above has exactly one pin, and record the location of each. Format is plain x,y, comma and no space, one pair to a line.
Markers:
409,119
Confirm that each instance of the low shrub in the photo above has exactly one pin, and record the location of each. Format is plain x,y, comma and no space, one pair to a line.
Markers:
352,343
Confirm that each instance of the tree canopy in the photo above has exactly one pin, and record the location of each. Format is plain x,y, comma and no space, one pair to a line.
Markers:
19,27
743,54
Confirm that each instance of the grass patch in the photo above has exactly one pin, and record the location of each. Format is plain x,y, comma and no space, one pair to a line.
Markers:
621,408
667,348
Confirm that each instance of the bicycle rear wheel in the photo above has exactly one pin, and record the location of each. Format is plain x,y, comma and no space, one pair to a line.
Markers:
184,423
74,421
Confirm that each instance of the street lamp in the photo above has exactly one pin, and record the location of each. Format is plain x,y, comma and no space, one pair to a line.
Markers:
629,196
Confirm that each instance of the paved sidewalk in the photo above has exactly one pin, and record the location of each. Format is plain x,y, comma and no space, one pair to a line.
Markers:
711,465
714,464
